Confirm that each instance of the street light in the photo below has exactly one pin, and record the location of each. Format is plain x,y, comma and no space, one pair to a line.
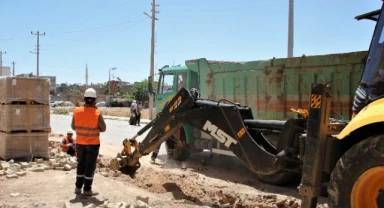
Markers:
109,85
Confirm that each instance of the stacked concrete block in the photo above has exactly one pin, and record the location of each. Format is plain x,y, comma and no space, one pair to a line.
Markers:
24,117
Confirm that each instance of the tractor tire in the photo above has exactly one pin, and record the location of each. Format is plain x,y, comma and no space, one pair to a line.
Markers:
280,178
357,180
180,152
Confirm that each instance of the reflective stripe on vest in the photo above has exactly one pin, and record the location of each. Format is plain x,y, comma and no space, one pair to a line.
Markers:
87,125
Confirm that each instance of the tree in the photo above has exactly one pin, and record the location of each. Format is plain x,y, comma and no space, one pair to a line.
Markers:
140,91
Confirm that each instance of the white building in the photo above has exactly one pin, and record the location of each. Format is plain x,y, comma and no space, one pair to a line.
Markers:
6,71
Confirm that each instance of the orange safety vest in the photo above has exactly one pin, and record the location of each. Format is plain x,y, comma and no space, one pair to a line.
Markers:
87,125
65,148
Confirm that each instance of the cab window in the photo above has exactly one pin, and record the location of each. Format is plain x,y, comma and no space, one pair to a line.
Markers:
182,80
166,83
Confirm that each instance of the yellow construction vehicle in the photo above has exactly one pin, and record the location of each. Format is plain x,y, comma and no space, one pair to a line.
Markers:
345,157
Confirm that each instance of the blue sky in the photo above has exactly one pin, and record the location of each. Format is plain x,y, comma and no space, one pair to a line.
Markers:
116,33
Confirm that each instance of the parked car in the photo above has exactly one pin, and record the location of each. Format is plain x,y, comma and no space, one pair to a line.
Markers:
101,104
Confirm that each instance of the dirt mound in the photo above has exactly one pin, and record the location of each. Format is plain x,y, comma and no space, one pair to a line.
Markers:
185,185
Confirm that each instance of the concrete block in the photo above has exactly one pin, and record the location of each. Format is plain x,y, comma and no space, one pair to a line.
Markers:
73,164
9,172
67,167
62,155
48,168
51,161
140,204
143,199
59,168
15,168
2,173
39,161
12,176
104,174
4,165
38,169
21,173
62,162
24,164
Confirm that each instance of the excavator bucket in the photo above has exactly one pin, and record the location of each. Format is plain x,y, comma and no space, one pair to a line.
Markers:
124,161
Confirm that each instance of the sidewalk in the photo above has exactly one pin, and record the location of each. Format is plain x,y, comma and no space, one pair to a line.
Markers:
142,121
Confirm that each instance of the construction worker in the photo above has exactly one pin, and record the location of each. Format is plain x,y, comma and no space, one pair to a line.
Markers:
138,113
88,122
133,118
68,143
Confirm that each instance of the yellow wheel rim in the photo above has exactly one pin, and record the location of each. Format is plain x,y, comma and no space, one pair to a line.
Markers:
367,187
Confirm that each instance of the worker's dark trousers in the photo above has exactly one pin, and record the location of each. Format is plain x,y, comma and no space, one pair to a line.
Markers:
138,116
156,152
86,165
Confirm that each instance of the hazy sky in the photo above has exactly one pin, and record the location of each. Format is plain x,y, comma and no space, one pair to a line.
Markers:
116,33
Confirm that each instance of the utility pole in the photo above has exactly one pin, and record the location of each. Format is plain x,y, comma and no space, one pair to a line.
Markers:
153,17
109,86
13,68
38,50
1,62
86,75
290,29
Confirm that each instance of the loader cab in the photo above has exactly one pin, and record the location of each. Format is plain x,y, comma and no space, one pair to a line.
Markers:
373,74
171,80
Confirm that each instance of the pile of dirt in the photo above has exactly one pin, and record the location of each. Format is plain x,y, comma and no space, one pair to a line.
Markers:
195,188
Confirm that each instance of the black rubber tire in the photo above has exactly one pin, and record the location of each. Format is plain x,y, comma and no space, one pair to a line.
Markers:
181,154
361,157
280,178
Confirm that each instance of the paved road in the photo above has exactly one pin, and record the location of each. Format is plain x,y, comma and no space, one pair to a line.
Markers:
117,130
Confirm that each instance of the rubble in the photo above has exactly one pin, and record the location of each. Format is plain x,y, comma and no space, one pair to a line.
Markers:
107,204
58,161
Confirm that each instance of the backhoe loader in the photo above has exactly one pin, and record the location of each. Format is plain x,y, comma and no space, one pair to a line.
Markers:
346,156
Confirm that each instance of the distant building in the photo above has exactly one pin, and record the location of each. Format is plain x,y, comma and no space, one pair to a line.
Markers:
6,71
52,81
114,86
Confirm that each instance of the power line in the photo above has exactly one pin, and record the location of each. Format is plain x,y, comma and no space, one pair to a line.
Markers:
76,31
38,34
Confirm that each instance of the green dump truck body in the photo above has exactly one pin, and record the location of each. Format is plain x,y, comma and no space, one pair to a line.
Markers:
272,87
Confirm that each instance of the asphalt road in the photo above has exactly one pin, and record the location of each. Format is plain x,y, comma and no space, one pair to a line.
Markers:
117,130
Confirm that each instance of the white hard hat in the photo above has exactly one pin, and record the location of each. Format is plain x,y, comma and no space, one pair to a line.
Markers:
90,92
69,131
134,101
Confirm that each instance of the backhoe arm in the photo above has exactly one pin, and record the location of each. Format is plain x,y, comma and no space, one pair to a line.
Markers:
224,122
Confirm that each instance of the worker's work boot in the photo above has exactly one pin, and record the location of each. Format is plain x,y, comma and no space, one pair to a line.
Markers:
90,193
153,160
77,191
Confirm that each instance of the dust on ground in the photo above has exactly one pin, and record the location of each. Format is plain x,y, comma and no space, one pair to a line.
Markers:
208,182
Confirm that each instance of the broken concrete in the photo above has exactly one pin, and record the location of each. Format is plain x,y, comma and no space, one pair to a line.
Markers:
12,176
21,173
4,165
140,204
67,167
